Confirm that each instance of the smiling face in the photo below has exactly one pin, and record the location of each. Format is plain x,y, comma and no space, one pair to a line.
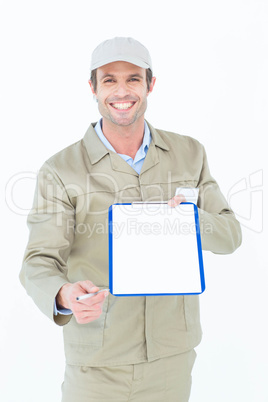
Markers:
122,93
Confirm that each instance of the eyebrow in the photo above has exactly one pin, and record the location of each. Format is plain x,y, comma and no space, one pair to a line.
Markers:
130,76
136,75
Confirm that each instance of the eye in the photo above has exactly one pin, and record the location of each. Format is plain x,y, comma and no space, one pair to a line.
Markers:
108,80
134,79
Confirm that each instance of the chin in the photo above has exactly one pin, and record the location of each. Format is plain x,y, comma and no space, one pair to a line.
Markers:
124,122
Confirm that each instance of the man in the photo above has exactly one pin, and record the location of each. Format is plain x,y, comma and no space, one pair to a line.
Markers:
129,348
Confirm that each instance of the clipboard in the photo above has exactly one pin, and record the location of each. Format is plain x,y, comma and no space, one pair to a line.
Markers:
155,250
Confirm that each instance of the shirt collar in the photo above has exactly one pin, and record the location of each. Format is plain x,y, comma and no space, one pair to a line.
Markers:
145,143
97,150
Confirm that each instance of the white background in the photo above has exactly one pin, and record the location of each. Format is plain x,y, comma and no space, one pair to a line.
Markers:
210,60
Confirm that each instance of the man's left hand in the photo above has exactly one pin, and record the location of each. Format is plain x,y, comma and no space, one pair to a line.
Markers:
173,202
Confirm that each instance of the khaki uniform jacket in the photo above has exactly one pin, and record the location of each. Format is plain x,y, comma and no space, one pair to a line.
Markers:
69,242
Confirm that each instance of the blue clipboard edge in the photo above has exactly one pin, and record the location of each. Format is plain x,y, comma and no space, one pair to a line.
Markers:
110,244
199,247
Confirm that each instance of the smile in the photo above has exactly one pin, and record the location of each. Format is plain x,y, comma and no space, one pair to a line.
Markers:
122,105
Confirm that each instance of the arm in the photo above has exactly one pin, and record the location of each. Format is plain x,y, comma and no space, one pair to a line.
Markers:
44,271
219,229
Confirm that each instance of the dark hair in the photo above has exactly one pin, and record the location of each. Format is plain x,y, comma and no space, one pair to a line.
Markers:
149,76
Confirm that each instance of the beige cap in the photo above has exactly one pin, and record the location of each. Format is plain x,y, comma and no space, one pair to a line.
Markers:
121,49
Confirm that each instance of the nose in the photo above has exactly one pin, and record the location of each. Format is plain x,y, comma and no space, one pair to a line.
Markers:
121,90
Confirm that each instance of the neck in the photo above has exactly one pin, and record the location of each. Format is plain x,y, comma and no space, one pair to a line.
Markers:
124,139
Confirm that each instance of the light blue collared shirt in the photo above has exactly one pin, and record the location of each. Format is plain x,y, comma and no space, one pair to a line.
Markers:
136,164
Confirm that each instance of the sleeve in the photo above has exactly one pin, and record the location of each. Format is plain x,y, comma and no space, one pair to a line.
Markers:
51,225
220,231
64,311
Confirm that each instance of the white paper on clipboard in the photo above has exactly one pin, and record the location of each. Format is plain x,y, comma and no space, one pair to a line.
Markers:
155,249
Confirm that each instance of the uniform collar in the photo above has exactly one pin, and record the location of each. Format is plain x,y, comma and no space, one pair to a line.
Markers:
145,143
97,150
157,138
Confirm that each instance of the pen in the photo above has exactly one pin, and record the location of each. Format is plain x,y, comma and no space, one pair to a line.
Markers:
90,295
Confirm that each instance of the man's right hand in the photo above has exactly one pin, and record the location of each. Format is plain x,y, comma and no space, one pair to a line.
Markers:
86,310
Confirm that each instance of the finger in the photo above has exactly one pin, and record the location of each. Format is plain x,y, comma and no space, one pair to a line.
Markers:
91,307
88,287
86,318
89,311
173,202
84,310
83,288
99,298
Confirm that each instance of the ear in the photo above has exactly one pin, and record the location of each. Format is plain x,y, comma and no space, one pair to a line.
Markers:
151,85
91,86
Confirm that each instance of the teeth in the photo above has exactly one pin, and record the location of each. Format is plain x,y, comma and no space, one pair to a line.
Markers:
122,105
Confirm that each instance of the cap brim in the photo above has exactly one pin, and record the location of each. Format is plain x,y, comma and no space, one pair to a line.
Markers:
129,59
